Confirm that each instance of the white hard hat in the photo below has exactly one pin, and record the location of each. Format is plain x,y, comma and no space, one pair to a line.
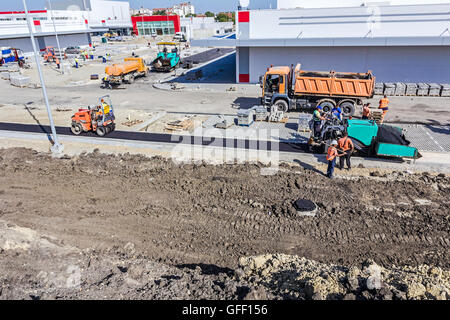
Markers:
334,142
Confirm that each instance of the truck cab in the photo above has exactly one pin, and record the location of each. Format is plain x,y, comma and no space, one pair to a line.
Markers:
276,84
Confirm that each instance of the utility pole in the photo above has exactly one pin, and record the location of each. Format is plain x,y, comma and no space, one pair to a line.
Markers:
57,39
57,148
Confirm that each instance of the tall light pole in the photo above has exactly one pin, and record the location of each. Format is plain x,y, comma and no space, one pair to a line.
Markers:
57,147
57,39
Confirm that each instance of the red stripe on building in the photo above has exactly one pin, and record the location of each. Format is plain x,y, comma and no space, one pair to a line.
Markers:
22,12
244,77
174,18
37,22
244,16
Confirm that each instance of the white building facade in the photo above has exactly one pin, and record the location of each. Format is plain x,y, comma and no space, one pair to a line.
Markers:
72,27
204,27
102,15
183,9
407,43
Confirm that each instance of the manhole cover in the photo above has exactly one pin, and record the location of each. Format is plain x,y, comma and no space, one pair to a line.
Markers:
305,207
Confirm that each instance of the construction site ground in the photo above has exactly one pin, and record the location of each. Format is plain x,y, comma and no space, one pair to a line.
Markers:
105,220
106,215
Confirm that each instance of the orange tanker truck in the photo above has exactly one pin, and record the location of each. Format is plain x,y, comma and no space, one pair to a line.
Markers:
291,89
126,71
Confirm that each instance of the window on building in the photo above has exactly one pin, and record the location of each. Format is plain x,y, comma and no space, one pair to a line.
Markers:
158,27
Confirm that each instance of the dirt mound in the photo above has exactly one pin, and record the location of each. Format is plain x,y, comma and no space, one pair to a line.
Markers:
37,267
293,277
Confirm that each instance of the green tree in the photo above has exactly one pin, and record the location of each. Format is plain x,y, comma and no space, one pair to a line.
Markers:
209,14
160,13
190,15
222,17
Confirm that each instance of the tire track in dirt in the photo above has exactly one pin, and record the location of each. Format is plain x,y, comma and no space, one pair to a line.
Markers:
215,214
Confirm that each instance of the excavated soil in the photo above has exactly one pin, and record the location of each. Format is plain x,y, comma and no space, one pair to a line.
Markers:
196,215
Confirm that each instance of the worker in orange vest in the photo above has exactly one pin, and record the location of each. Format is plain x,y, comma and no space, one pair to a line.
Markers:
366,111
384,103
58,63
331,158
346,148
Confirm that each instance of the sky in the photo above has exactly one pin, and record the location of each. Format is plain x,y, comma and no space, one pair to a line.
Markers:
200,5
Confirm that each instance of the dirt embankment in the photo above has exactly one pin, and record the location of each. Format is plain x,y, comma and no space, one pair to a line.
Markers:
210,216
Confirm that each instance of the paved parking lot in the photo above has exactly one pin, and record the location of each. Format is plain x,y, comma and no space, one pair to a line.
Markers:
431,138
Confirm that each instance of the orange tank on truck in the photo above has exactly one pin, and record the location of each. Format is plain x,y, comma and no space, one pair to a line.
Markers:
129,65
296,89
125,72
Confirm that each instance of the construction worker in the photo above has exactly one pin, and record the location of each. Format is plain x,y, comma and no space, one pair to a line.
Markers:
337,112
346,148
58,64
76,63
105,106
106,83
317,120
366,111
384,105
331,158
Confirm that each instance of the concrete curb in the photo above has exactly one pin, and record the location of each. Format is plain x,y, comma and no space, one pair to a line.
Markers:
430,161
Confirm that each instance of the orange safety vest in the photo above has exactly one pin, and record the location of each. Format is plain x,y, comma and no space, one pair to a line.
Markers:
384,103
332,153
345,144
366,111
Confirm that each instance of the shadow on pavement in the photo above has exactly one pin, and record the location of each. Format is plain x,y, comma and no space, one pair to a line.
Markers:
247,102
49,137
222,71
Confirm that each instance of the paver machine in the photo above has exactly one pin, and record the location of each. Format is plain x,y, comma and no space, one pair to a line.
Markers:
167,60
99,119
369,138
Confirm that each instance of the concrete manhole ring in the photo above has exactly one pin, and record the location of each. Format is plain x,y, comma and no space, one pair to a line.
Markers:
305,207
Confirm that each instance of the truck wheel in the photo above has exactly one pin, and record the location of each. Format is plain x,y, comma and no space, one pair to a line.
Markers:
326,105
76,129
101,131
348,108
131,80
282,105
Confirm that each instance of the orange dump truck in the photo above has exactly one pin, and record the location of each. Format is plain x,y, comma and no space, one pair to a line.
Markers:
291,89
127,71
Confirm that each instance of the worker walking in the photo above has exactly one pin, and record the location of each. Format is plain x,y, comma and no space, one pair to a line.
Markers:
384,105
346,148
331,158
58,64
366,111
76,63
317,121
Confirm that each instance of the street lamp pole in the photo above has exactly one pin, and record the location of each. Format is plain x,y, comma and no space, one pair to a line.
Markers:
57,148
56,34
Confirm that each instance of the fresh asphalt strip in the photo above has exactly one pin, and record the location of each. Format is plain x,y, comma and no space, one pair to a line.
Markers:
166,138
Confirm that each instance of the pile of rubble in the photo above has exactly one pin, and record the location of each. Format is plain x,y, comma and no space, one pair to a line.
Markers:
293,277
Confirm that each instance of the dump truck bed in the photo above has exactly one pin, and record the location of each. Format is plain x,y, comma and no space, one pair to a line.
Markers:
333,83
